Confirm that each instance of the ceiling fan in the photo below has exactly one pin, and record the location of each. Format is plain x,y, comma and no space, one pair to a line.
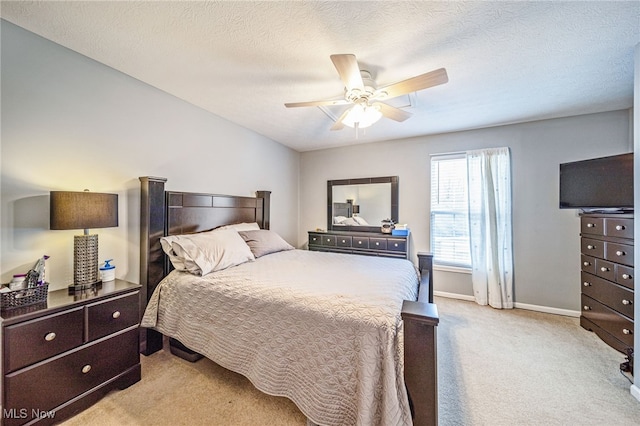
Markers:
361,91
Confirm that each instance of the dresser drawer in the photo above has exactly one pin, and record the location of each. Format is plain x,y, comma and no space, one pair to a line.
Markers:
592,247
315,239
378,243
624,276
606,269
619,227
609,320
46,385
343,241
396,244
619,253
361,242
35,340
329,240
614,296
592,225
588,264
112,315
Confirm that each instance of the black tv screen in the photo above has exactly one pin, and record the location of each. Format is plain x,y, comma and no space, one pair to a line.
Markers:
599,183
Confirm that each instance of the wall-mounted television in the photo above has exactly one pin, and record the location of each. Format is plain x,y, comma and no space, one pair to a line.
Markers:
598,184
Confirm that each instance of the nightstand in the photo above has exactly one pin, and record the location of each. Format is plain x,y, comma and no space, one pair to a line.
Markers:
63,355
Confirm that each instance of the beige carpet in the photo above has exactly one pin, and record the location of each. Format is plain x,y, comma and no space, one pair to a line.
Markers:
496,367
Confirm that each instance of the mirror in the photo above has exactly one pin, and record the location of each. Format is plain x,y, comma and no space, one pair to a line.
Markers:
361,204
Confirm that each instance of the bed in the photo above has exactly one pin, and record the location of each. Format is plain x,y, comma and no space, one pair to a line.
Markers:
349,339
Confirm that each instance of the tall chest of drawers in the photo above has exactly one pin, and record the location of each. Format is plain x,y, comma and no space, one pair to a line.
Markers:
364,243
607,277
63,355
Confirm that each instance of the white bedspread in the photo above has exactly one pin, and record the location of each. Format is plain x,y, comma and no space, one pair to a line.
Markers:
323,329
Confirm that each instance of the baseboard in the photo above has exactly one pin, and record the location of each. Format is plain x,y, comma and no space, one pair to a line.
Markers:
454,296
528,307
548,310
635,391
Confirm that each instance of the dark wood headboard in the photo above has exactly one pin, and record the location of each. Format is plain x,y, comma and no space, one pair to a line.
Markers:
165,213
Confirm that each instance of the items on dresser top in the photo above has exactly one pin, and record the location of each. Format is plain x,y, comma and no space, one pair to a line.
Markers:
607,248
63,354
364,243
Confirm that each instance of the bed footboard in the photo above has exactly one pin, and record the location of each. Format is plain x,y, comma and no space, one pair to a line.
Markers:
420,361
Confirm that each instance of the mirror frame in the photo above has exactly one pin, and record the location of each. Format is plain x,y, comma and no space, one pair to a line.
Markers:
393,180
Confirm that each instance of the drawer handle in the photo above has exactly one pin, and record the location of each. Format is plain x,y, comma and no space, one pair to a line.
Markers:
626,276
605,269
586,284
627,331
585,263
591,225
620,227
591,247
620,253
395,245
328,239
377,244
116,314
586,308
344,241
359,242
86,369
50,336
626,302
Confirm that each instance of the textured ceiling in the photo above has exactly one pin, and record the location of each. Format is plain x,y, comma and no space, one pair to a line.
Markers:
507,62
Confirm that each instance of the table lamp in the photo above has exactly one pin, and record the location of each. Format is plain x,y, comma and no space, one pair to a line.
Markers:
83,210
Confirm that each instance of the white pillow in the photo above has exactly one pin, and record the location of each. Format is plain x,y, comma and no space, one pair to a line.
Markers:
206,252
263,242
339,219
244,226
360,220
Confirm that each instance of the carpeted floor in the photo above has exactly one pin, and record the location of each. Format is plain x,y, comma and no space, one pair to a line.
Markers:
495,368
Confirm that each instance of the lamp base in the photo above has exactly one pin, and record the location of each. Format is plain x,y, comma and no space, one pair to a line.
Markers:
78,288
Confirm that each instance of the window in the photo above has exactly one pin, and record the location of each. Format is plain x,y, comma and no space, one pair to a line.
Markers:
449,211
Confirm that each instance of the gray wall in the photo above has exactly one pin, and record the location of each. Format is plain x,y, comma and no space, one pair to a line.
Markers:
546,241
70,123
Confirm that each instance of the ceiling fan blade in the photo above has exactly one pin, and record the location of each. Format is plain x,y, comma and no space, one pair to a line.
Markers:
316,103
413,84
348,69
339,125
392,112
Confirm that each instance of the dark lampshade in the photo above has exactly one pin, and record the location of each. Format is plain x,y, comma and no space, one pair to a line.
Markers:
83,210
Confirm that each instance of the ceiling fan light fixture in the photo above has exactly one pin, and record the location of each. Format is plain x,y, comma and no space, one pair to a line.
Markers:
363,115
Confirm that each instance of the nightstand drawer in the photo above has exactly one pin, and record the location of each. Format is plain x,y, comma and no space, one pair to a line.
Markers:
113,315
35,340
45,386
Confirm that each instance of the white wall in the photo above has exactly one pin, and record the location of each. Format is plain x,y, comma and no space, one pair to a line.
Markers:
70,123
546,239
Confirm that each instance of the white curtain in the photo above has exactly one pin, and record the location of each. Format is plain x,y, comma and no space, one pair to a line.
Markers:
489,175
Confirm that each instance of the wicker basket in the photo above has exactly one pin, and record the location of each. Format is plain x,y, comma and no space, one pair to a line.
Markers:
24,297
